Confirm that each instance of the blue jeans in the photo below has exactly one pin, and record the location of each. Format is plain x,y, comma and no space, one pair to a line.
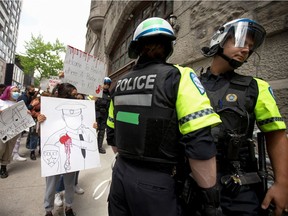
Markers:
60,186
33,141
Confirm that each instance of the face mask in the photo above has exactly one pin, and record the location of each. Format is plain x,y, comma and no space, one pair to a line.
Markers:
31,93
15,95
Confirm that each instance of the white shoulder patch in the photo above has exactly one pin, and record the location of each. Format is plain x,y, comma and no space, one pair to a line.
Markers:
197,83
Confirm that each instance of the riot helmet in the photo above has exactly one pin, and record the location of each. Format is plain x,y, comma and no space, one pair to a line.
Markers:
151,27
107,80
239,30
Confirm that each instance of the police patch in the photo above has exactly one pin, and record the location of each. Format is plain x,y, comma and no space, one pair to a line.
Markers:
231,97
197,83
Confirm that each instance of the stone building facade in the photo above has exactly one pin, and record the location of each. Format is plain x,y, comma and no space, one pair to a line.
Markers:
111,24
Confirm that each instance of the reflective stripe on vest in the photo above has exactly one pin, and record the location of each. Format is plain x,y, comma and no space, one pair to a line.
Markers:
267,120
193,106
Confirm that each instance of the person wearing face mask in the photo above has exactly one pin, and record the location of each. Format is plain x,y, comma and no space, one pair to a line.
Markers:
27,97
7,99
80,141
241,101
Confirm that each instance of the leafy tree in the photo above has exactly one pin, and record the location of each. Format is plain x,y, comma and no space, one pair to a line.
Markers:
42,59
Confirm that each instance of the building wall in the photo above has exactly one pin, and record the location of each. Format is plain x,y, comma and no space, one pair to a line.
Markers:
198,20
2,70
10,11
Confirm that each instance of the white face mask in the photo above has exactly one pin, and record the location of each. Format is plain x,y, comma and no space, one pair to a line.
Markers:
15,95
73,122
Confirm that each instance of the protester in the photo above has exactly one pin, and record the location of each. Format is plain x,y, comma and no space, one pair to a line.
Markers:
27,97
240,101
80,96
68,91
64,90
102,106
159,113
7,99
34,135
60,187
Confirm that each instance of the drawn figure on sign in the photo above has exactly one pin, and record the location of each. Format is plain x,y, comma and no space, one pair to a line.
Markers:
51,156
74,138
11,115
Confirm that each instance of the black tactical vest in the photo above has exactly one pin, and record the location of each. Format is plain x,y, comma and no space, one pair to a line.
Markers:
233,136
146,125
102,104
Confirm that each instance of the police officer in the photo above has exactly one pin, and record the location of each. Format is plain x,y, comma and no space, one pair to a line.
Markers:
240,101
102,106
158,113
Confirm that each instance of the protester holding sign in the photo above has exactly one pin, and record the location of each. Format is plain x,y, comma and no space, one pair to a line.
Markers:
84,71
27,97
64,90
7,99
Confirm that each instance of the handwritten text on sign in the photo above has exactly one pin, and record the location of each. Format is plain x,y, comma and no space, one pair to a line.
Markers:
84,71
14,120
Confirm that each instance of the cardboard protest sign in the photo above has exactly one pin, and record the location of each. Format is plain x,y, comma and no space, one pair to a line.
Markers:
14,120
68,139
84,71
50,83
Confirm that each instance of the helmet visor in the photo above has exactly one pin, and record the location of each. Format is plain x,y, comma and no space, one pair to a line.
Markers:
247,34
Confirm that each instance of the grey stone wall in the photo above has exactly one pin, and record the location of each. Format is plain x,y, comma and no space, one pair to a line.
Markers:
198,20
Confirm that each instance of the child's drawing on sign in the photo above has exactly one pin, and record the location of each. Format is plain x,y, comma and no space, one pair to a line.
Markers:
72,143
14,120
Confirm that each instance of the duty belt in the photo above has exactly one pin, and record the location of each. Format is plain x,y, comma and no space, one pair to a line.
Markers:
242,179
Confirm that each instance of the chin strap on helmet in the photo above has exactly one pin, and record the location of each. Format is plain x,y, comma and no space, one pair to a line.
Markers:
209,52
233,63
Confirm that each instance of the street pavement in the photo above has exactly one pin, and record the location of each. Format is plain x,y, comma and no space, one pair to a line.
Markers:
22,193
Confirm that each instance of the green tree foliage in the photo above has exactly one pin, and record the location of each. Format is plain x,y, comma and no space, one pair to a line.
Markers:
42,59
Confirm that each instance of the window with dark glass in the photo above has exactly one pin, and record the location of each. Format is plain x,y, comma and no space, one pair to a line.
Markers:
119,55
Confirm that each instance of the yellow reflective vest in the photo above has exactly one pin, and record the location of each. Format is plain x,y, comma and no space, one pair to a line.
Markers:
192,105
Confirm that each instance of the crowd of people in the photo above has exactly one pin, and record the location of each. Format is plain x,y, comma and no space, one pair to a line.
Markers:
184,142
56,184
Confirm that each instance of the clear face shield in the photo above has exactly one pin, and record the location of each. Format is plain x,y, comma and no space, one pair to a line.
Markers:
245,34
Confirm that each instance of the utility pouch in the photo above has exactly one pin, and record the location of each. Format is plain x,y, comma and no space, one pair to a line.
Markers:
231,184
234,144
188,197
189,190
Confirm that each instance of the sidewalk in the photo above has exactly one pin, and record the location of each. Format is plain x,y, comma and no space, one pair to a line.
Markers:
22,193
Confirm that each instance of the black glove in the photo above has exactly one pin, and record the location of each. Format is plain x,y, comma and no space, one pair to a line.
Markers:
210,200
